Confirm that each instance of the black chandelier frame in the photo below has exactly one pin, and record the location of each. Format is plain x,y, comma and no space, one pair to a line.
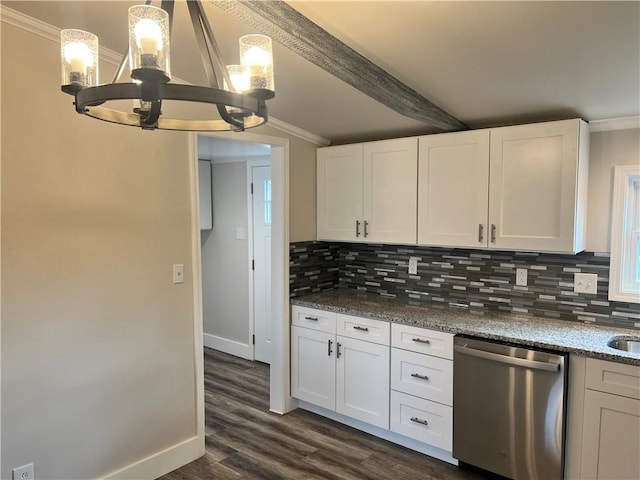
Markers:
238,111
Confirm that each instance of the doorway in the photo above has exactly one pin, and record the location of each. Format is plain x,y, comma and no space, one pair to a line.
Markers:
274,332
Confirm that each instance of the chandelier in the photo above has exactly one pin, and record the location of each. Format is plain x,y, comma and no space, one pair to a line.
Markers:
239,92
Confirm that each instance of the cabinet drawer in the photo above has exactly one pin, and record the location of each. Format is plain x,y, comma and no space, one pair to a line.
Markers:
612,377
422,420
422,376
422,340
375,331
313,318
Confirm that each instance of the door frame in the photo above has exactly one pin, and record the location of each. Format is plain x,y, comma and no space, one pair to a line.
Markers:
280,400
252,317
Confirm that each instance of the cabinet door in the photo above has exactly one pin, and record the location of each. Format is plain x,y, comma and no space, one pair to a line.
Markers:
533,194
313,367
340,193
362,388
391,191
453,189
610,437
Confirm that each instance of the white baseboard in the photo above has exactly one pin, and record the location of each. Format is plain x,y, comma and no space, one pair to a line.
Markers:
225,345
382,433
161,463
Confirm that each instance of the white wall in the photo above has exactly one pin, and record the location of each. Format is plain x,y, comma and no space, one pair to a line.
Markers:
98,358
225,259
608,149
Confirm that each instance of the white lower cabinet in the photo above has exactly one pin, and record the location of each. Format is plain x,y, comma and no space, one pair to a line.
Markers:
422,420
362,381
611,437
395,377
422,385
337,372
603,425
313,369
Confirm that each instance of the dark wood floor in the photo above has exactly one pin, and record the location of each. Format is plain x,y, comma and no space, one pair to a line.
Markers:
245,441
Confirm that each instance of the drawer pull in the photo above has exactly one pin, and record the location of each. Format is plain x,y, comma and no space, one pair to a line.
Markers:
362,329
422,340
315,319
329,351
338,345
419,420
421,377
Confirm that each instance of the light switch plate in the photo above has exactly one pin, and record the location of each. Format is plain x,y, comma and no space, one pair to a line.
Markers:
585,283
178,273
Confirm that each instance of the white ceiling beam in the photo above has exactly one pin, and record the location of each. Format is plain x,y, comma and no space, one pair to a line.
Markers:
296,32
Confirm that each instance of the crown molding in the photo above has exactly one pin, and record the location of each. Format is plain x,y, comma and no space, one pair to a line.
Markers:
608,124
298,132
49,32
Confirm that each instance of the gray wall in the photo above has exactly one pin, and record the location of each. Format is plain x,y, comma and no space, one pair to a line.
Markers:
98,352
608,149
225,259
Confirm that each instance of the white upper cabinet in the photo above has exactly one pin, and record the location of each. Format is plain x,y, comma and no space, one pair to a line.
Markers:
511,188
390,191
340,199
453,197
538,186
368,192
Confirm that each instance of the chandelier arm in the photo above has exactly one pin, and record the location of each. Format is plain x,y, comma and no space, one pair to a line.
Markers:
212,42
203,47
222,110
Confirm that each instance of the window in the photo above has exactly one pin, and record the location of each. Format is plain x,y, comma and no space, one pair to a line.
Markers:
624,281
267,202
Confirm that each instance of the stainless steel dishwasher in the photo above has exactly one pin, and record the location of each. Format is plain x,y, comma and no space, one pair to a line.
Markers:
509,409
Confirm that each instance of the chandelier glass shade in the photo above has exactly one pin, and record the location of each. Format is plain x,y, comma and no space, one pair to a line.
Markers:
238,92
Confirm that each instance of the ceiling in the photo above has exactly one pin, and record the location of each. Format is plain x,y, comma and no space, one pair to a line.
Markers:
485,63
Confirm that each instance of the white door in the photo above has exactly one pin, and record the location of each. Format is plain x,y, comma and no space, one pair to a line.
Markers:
261,179
313,367
391,191
453,189
340,193
362,381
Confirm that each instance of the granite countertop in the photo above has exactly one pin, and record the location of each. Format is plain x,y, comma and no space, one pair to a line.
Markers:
560,335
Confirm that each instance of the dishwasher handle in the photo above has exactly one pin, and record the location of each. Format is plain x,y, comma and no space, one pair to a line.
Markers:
519,362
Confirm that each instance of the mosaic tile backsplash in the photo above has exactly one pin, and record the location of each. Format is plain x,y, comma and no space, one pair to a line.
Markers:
473,278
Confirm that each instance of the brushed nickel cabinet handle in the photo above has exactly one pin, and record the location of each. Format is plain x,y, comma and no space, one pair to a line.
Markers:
366,232
357,228
314,319
421,340
493,233
329,351
419,420
362,329
421,377
480,232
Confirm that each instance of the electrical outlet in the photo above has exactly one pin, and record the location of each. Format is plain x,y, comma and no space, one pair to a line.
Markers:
413,265
585,283
24,472
521,277
178,273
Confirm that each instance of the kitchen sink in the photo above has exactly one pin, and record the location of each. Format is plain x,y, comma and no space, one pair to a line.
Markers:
628,344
